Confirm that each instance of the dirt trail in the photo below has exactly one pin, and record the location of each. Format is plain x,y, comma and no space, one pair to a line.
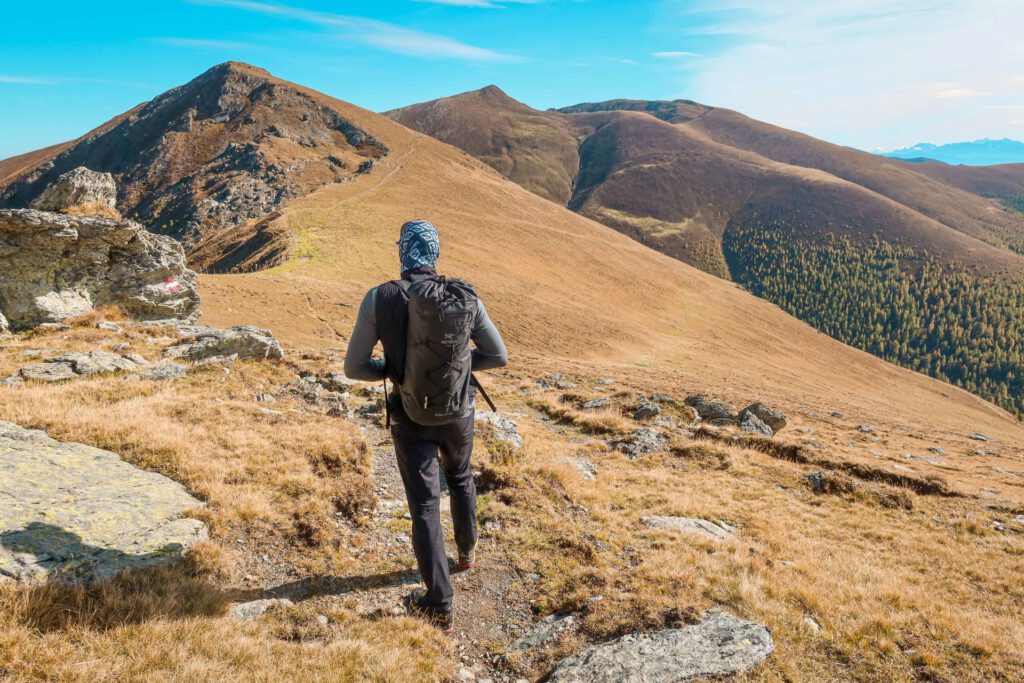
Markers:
491,601
396,166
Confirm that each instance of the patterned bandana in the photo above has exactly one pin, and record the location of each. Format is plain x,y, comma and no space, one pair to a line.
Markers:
418,245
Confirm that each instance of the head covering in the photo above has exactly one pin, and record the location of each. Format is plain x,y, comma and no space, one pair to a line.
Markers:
418,245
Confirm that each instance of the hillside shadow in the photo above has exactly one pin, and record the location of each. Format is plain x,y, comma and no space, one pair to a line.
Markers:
130,589
310,587
62,554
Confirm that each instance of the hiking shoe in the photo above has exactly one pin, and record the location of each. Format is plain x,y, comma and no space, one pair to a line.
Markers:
438,616
466,561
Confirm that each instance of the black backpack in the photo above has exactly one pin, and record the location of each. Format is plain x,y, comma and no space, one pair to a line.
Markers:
436,374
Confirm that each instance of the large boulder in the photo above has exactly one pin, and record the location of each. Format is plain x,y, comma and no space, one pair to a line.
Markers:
79,187
55,266
720,645
713,412
749,422
776,419
241,341
639,442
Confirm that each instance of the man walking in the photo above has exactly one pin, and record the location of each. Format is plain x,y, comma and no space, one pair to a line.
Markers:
425,323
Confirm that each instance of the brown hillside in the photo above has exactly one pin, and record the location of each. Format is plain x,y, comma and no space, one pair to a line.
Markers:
223,150
562,286
952,206
533,148
676,187
1000,180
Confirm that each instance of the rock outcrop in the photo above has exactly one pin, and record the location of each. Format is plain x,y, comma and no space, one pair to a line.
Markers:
639,442
720,645
78,188
70,365
501,427
775,419
82,513
219,154
693,525
544,631
712,412
241,341
749,422
55,266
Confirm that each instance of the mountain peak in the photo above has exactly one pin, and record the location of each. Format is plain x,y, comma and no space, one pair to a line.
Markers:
222,150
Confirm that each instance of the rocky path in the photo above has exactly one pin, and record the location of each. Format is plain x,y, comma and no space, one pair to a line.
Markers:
491,601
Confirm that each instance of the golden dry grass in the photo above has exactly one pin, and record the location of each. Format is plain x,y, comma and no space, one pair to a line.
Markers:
898,595
900,586
168,624
289,485
94,209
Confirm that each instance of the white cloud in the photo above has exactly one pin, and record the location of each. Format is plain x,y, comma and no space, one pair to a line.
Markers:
383,35
63,80
674,54
480,3
868,73
203,43
26,80
948,91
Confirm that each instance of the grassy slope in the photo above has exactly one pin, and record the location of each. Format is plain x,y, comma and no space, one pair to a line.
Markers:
562,287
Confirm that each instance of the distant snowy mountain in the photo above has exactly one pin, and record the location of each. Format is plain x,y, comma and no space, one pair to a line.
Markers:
977,153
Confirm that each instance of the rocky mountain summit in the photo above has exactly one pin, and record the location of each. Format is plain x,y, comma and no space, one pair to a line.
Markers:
55,266
221,151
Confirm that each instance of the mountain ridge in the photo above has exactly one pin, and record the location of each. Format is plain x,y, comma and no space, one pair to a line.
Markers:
740,198
983,152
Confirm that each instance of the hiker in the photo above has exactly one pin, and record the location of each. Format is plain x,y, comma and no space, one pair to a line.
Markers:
425,322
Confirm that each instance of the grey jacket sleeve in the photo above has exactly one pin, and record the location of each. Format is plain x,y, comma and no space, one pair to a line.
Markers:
490,351
359,361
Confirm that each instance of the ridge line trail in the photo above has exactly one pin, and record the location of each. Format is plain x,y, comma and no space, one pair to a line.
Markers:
397,161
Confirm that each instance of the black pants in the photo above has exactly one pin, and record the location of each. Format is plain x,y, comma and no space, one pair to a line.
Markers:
416,447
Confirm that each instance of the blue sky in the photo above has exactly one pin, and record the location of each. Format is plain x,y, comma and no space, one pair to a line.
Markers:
875,74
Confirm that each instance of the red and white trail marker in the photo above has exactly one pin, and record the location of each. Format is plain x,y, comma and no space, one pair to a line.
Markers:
172,285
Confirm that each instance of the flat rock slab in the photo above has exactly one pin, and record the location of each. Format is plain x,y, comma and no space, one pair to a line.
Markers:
544,631
720,645
639,442
243,341
83,513
692,525
78,363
